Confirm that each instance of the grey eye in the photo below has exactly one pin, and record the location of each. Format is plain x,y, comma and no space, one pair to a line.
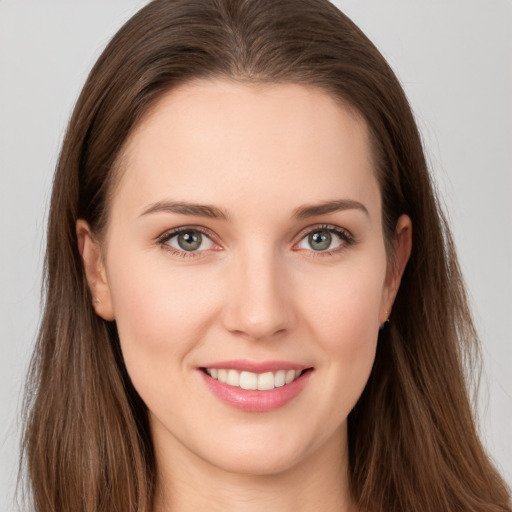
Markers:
320,240
324,239
190,240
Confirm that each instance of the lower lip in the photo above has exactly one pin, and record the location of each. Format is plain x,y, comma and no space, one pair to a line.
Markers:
253,400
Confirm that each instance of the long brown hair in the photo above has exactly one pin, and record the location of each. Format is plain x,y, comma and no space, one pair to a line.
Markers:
412,439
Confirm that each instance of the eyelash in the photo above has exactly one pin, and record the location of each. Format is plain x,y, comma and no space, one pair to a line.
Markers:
165,237
344,235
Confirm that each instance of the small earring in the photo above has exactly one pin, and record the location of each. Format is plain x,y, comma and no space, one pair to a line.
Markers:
383,324
96,301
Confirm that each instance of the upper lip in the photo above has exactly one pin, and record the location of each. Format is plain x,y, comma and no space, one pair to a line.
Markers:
256,366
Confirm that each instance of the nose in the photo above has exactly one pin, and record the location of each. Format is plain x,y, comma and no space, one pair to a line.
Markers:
259,300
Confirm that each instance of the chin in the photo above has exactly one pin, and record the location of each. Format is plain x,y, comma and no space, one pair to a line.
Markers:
262,463
258,452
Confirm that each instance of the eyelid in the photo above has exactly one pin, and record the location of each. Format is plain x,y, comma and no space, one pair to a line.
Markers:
328,227
343,233
170,233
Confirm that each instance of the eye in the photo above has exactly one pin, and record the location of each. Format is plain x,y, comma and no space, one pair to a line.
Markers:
325,239
187,240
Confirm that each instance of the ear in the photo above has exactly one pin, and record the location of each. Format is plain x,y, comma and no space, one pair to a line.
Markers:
402,245
94,267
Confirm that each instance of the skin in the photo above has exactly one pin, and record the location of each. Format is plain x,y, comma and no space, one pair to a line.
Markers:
257,291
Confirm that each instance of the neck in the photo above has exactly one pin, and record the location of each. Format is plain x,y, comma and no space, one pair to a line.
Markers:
187,483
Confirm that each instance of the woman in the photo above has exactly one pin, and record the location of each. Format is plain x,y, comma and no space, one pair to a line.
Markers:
252,296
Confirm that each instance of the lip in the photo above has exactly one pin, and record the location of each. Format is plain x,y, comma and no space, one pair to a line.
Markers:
255,400
256,366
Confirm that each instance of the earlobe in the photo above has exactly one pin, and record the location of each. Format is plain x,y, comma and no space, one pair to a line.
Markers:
94,268
402,246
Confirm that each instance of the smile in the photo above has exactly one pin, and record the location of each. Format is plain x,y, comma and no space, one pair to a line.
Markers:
256,387
253,381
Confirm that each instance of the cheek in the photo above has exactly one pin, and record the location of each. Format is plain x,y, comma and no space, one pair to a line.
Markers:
345,323
159,313
345,303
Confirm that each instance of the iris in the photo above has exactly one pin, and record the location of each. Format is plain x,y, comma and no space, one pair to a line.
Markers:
320,240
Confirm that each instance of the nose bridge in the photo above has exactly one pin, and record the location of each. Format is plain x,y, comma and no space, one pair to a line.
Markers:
259,305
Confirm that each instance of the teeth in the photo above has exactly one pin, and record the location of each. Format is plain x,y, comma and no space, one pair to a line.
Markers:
290,375
280,378
249,380
265,381
233,378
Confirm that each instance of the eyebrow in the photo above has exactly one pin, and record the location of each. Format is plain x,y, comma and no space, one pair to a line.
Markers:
304,212
213,212
183,208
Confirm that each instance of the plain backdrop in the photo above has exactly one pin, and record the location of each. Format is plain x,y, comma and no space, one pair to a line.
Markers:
454,58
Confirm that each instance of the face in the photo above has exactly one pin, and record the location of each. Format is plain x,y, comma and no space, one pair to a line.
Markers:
245,267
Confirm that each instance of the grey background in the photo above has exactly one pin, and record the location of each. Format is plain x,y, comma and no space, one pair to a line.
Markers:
454,58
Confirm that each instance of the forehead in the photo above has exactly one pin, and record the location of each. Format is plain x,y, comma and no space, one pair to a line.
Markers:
212,141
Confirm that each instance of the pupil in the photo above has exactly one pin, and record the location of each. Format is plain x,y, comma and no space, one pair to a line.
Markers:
190,240
320,240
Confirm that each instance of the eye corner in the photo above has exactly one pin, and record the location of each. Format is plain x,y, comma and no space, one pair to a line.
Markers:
201,241
330,234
